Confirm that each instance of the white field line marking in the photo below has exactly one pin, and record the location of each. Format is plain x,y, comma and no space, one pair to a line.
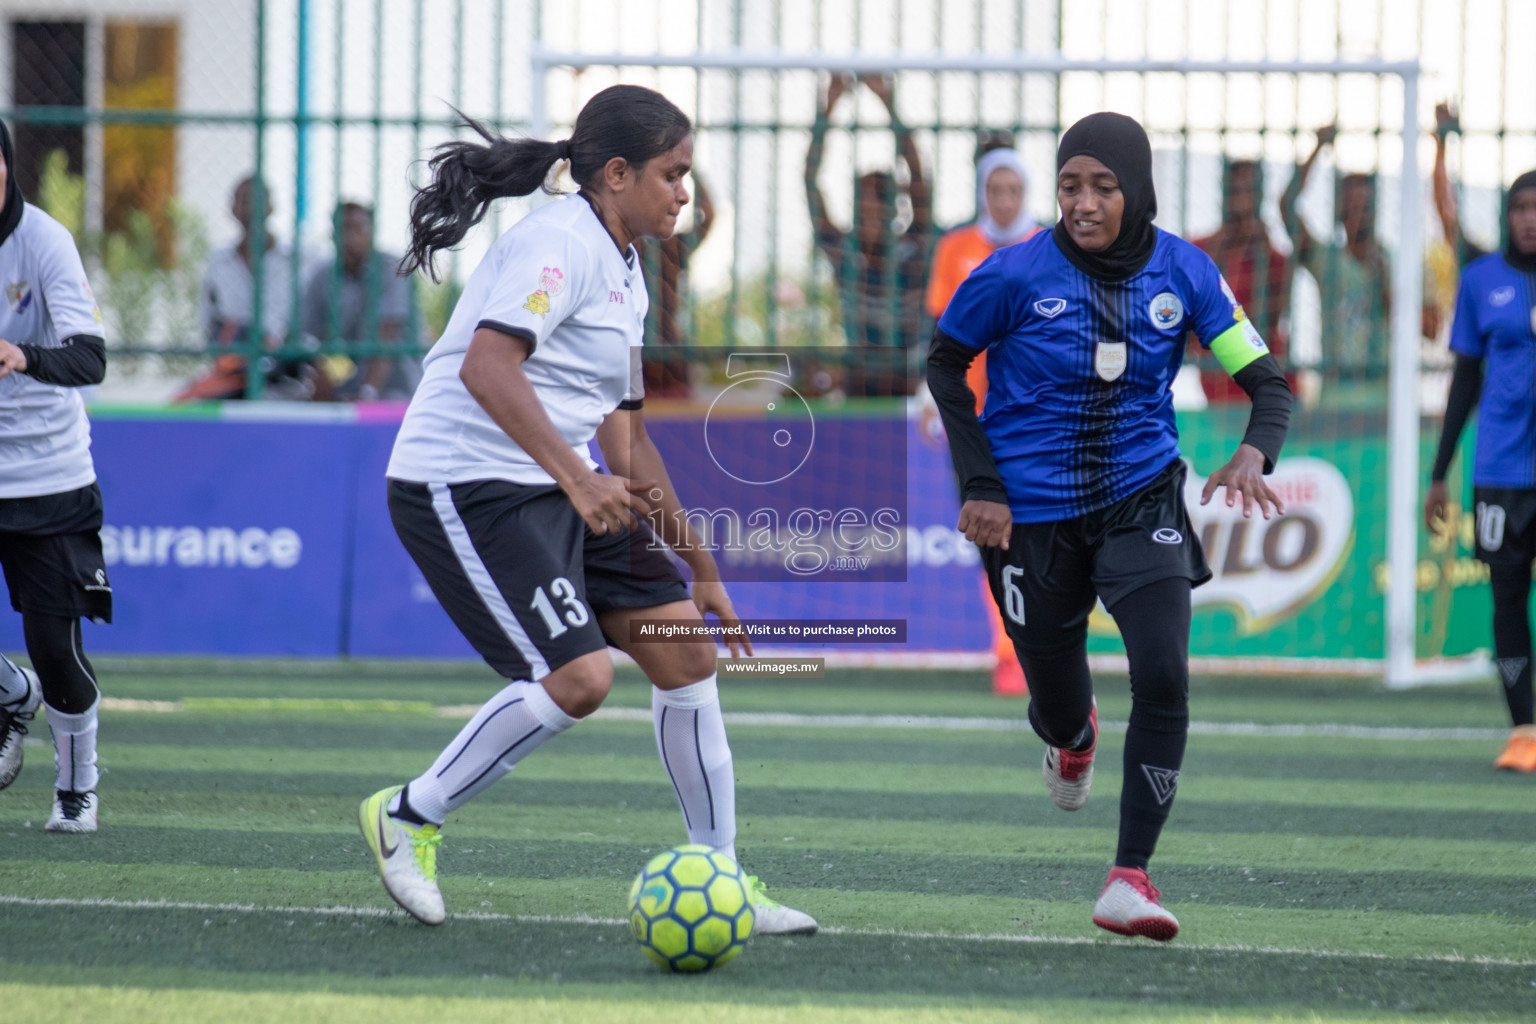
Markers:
771,718
1022,725
614,922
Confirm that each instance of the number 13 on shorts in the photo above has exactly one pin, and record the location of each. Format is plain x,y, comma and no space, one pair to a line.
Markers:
1013,597
576,612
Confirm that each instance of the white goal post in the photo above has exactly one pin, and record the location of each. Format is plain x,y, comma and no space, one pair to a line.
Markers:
1400,668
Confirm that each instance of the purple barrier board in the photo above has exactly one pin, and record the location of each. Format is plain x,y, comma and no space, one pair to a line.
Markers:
237,536
393,613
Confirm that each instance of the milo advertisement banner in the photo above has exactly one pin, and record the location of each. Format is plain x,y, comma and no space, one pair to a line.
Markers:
1267,570
1312,582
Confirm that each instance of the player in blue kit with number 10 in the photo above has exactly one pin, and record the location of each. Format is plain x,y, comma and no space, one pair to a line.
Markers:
1071,480
1496,321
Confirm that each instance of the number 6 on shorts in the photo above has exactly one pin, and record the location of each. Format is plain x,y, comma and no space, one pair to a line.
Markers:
1013,597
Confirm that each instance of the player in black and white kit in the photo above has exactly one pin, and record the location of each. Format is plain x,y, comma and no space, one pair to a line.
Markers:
538,557
50,506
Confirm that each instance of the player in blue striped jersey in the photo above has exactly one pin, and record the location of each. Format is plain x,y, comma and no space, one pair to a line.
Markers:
1496,321
1071,479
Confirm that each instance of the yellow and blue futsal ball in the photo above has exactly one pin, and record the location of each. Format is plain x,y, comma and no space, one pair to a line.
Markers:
689,909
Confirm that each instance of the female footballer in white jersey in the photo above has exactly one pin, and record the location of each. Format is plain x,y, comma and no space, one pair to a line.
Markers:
50,506
540,558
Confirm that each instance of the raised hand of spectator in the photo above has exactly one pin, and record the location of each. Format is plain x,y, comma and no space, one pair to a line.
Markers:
881,86
835,90
1446,120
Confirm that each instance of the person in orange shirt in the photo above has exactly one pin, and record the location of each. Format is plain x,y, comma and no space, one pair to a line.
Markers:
1001,219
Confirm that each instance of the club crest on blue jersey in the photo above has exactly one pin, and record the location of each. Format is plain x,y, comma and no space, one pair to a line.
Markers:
1501,297
1109,359
19,294
1167,311
1051,308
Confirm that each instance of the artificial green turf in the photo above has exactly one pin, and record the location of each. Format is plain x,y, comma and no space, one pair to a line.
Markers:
347,953
1382,854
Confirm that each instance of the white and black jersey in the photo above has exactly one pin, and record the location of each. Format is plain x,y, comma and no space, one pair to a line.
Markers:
557,279
45,438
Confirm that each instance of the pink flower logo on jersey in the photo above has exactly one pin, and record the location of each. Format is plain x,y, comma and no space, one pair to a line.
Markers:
551,281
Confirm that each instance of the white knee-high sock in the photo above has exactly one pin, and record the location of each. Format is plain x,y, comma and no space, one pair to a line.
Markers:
74,748
507,729
690,733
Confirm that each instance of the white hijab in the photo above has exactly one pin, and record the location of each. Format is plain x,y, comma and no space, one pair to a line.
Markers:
1023,224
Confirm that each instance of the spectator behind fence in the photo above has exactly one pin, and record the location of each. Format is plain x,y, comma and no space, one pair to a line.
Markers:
1002,218
360,300
1354,278
1353,274
1451,228
227,310
1256,272
664,262
879,266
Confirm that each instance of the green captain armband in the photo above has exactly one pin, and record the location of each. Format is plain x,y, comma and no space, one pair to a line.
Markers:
1237,346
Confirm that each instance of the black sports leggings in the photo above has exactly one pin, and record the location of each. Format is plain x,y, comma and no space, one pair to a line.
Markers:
53,644
1512,637
1154,621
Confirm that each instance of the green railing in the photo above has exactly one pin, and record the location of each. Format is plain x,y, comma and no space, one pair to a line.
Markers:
338,98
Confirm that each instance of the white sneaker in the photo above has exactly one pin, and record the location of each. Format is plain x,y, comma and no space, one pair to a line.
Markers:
1069,774
13,727
773,918
72,812
406,857
1128,906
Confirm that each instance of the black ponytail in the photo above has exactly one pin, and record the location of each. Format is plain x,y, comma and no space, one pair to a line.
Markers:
626,121
466,178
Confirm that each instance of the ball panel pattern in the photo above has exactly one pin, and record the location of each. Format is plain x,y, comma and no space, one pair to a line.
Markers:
689,909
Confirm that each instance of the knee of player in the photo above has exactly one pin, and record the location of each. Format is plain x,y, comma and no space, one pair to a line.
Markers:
581,687
695,662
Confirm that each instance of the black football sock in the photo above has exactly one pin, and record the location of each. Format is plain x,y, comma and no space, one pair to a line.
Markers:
1154,622
405,812
1512,638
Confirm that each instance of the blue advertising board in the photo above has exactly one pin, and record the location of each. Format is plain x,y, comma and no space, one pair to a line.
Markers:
221,537
392,613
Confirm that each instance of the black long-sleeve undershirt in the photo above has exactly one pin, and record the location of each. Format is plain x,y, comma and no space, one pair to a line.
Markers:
1270,416
1466,388
968,448
948,361
80,360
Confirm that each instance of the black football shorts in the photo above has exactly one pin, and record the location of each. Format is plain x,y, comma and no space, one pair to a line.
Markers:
50,549
1047,581
519,572
1505,525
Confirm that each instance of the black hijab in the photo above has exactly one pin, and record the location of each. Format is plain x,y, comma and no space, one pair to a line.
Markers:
11,215
1119,143
1525,261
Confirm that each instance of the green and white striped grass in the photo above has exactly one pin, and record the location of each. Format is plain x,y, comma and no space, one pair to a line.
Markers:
1336,852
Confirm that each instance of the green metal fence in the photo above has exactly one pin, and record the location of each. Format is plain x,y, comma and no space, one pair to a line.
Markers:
331,100
135,131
